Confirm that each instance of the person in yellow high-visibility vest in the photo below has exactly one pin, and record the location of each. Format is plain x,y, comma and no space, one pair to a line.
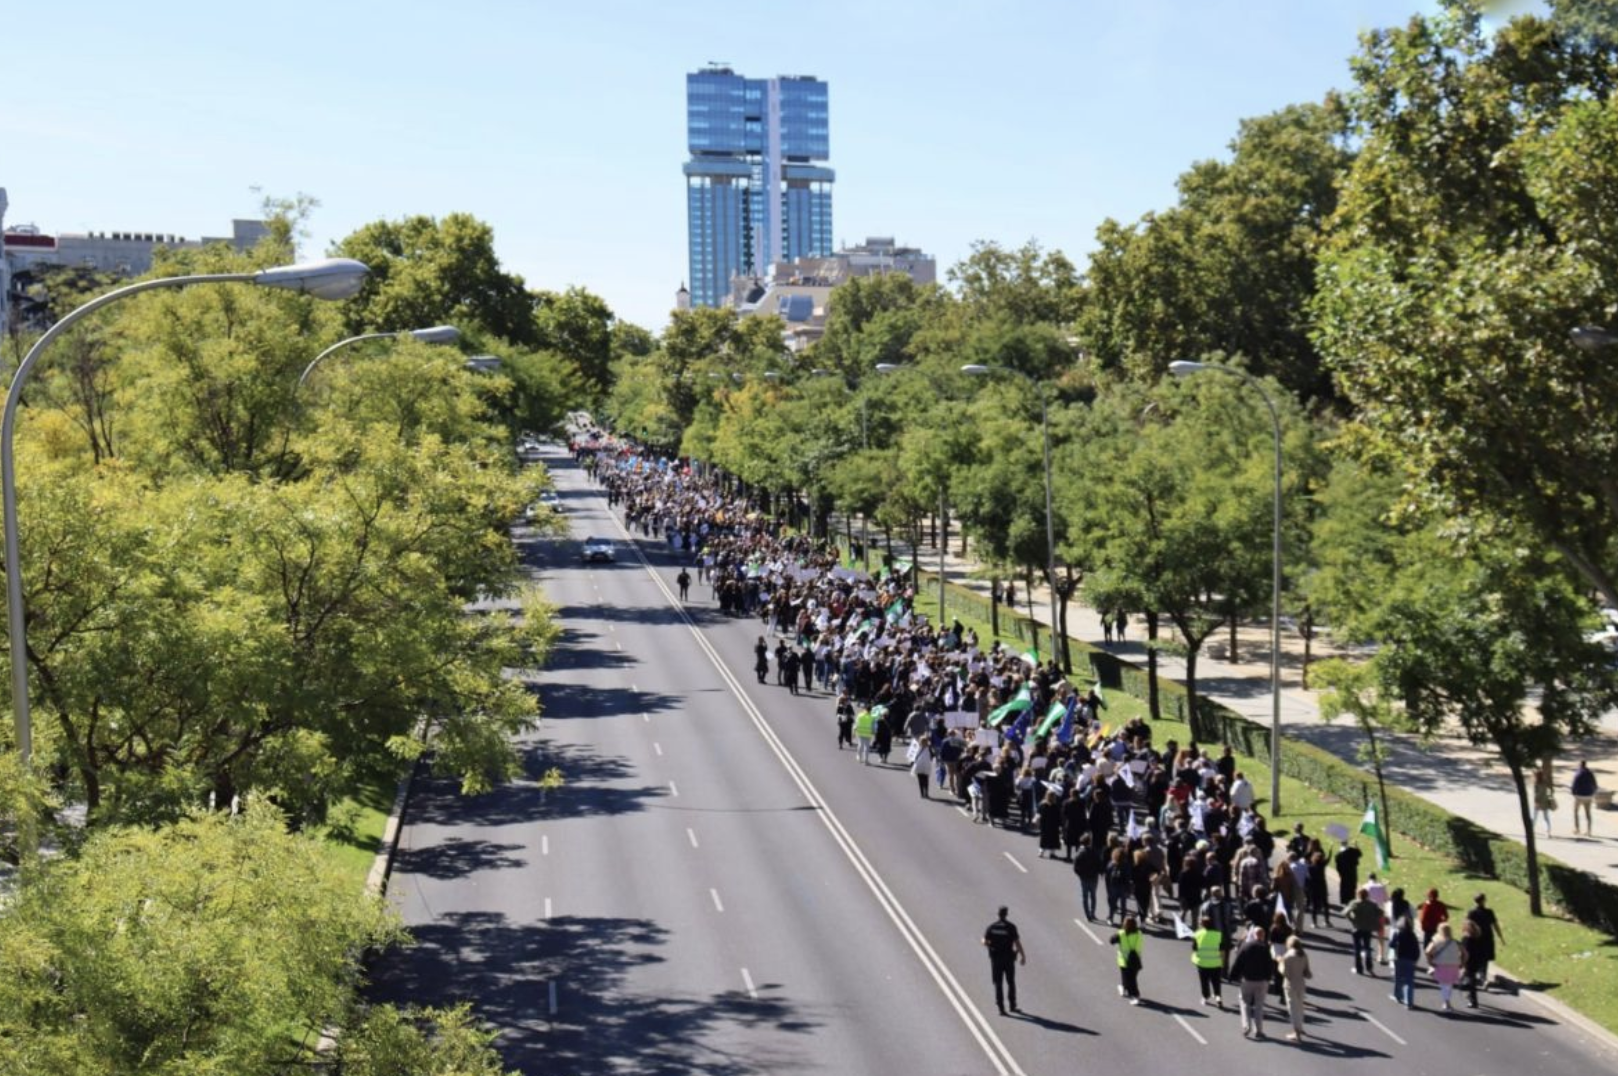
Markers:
1205,954
864,730
1128,940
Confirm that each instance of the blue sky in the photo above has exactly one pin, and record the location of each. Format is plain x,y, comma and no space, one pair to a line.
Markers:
562,123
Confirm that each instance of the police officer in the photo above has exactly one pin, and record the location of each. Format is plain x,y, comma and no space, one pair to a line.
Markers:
1005,951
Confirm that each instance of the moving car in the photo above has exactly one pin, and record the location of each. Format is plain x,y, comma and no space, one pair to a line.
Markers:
599,549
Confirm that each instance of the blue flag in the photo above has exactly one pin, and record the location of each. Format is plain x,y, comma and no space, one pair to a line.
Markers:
1064,733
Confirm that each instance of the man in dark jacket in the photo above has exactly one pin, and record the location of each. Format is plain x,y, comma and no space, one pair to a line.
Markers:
1251,969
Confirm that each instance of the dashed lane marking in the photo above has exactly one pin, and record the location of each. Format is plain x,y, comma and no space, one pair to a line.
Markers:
747,980
1189,1030
658,748
1014,862
691,833
718,904
1380,1026
1082,926
673,791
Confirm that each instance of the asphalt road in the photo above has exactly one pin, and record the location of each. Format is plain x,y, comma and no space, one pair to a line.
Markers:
718,890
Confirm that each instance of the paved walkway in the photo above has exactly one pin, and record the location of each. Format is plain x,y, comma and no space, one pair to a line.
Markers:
1462,779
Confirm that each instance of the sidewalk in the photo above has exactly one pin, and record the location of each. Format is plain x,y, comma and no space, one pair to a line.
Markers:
1460,778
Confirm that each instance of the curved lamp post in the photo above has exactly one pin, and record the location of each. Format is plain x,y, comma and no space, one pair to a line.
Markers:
438,334
329,278
1186,369
1058,644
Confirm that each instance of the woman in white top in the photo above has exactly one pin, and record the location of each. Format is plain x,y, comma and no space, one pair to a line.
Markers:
921,764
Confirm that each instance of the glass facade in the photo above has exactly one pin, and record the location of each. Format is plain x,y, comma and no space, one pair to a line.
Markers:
752,195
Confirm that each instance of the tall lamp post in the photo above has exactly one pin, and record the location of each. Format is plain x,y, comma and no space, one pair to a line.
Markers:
329,278
1184,368
865,443
1058,643
438,334
943,515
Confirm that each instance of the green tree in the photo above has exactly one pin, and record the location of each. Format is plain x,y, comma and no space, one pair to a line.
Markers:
578,326
436,272
1473,232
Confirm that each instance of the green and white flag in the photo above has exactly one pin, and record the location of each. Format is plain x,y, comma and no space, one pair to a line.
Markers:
1019,702
1052,716
1371,826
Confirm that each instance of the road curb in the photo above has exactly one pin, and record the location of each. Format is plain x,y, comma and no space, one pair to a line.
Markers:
376,882
1557,1008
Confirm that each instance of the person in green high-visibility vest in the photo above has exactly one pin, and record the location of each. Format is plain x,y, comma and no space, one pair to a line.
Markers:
1206,953
864,730
1128,940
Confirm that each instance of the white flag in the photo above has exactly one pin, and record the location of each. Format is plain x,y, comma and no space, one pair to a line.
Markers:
1181,930
1134,827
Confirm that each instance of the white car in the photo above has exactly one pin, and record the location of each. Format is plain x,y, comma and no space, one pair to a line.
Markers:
599,549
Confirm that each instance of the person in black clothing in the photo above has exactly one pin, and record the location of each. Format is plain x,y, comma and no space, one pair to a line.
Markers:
1005,952
762,653
1347,862
1480,949
1075,822
845,721
1087,866
684,582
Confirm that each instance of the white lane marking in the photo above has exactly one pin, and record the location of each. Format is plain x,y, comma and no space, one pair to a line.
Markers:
718,904
612,629
1189,1030
658,748
635,688
673,791
964,812
752,991
620,646
1014,862
1081,925
1382,1027
547,909
553,998
689,832
959,1000
646,718
544,845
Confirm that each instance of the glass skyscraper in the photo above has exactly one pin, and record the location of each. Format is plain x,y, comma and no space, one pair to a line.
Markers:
754,195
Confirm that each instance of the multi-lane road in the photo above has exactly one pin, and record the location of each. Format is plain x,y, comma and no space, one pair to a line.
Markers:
718,890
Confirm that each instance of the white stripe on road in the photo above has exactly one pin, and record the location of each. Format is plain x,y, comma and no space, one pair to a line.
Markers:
547,909
646,718
1082,926
553,998
965,1009
752,991
658,748
718,904
1382,1027
1189,1030
544,845
620,646
1014,862
689,832
673,791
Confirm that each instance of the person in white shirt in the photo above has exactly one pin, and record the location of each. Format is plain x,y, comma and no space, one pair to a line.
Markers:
1241,793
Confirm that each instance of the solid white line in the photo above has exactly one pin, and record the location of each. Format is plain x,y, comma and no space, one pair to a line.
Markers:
553,998
1084,927
964,812
1189,1030
672,790
646,718
752,991
1382,1027
620,646
959,1000
718,904
635,688
658,748
544,845
689,832
547,908
1014,862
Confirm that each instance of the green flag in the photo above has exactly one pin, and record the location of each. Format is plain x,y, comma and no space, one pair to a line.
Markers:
1052,716
1019,702
1371,826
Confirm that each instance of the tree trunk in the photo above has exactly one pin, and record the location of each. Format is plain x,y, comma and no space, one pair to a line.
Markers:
1193,715
1234,657
1153,701
994,607
1307,620
1535,904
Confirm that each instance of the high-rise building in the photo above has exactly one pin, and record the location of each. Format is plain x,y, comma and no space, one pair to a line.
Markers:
754,195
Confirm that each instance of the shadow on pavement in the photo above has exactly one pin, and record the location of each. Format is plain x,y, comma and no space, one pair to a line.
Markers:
507,970
571,702
456,857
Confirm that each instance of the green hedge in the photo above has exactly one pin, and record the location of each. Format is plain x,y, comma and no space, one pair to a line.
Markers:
1583,896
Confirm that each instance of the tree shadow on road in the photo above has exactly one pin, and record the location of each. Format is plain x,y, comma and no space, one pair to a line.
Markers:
507,969
456,857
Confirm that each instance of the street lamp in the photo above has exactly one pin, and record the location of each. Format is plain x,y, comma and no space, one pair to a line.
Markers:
865,443
1184,368
1058,643
438,334
328,278
943,514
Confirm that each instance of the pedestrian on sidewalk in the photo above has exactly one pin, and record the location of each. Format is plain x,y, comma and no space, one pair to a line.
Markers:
1584,790
1128,940
1252,968
1120,620
1295,974
1005,952
1545,798
1487,926
1106,628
